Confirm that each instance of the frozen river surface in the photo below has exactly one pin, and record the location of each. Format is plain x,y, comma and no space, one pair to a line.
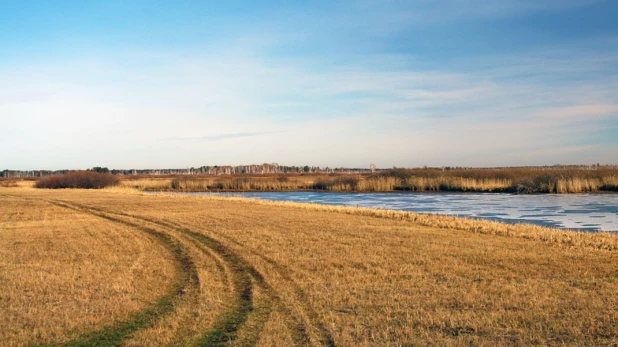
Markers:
590,212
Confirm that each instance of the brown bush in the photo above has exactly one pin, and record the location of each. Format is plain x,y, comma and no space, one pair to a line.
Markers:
78,179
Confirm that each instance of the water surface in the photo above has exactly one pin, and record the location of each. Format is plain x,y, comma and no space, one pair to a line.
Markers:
591,212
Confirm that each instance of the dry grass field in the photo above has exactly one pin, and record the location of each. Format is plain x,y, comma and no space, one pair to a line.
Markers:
117,267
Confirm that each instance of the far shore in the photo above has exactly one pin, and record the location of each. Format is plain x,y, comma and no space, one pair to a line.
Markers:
437,192
542,180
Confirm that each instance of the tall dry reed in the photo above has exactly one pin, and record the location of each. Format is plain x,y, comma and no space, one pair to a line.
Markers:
513,180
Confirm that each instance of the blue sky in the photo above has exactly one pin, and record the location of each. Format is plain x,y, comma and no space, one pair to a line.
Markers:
153,84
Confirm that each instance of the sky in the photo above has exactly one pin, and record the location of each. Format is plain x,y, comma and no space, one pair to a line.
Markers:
178,84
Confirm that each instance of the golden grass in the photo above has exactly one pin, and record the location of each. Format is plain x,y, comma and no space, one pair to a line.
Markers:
585,185
197,311
64,273
422,184
147,183
286,273
610,183
25,184
570,238
205,183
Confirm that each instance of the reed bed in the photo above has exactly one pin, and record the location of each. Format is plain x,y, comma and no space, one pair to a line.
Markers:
147,183
610,183
236,184
508,180
381,183
557,180
459,184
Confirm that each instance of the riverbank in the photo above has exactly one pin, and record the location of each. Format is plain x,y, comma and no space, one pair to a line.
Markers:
282,273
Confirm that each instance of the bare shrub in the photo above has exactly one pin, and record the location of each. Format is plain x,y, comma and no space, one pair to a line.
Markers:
78,179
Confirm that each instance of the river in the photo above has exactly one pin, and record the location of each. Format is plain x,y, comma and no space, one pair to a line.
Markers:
589,212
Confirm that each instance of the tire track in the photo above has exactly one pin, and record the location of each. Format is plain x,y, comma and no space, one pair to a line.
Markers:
297,327
114,334
325,336
228,323
244,273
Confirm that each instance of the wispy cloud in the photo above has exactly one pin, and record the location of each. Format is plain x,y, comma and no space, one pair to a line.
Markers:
219,137
474,9
333,97
335,116
581,112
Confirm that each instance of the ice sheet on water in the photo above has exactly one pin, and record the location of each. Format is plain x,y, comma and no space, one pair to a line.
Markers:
572,211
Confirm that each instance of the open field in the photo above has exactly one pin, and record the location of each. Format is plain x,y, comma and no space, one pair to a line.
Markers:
117,267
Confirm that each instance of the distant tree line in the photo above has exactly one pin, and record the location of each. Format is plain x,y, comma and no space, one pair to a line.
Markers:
30,173
203,170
